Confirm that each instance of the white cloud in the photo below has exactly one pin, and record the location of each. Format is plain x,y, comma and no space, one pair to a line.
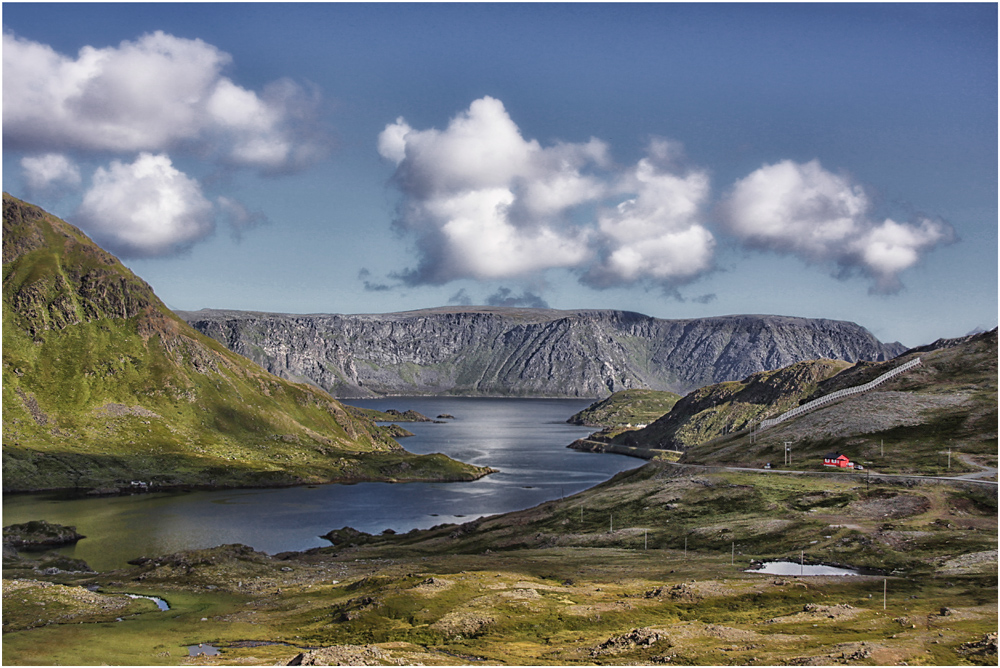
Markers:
156,93
484,202
145,209
891,247
49,171
823,218
657,234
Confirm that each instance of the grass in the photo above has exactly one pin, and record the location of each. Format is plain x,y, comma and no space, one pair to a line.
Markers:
627,407
105,385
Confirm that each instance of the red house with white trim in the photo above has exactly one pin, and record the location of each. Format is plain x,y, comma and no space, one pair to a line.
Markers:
838,460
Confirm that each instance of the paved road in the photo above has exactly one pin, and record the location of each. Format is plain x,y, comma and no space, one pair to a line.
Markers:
987,471
969,477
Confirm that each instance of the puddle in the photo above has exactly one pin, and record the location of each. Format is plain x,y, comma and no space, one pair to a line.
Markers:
160,603
202,648
793,568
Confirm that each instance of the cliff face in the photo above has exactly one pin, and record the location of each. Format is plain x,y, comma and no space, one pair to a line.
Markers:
527,352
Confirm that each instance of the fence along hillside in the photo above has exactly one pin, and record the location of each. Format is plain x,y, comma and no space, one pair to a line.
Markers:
857,389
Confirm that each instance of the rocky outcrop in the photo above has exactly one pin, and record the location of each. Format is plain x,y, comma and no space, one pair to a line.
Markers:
39,535
481,351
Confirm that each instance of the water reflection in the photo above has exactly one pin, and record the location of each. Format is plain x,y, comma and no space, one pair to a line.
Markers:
524,439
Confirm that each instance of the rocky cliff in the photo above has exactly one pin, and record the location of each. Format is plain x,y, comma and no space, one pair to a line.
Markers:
527,352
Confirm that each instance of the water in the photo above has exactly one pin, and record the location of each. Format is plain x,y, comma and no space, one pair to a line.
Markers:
525,438
160,603
793,568
203,648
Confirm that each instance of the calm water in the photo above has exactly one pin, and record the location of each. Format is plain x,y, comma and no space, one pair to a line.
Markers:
525,438
793,568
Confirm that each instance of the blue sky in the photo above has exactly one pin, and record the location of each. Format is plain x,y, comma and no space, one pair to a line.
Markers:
682,161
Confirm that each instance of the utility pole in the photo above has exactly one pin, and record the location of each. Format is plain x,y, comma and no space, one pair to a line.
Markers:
645,539
685,548
788,452
949,457
732,558
885,586
881,445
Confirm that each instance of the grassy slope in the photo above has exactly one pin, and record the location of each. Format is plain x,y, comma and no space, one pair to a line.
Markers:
103,385
725,407
949,401
627,407
551,586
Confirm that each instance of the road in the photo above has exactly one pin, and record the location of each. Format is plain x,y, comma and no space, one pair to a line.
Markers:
967,478
987,471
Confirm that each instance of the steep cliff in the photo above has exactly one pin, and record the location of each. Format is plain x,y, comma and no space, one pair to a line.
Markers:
527,352
104,385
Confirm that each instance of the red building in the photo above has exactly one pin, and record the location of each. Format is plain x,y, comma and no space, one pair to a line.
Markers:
838,460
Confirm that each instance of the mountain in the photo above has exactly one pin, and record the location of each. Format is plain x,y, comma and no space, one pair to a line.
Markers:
722,408
489,351
104,385
938,416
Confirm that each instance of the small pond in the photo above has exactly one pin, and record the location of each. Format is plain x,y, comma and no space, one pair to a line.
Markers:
202,648
793,568
160,603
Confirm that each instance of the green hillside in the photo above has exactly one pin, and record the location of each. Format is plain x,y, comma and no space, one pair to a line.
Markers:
627,407
910,424
104,385
719,409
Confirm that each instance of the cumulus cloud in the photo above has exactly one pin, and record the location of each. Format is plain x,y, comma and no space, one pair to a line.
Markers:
157,93
506,297
483,202
50,172
824,218
146,208
657,233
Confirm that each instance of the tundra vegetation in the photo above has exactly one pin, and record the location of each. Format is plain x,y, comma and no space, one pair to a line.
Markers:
556,584
627,408
939,418
104,386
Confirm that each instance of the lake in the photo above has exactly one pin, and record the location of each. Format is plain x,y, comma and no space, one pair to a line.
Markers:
525,439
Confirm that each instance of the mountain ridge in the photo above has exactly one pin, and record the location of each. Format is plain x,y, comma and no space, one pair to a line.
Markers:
497,351
908,424
104,385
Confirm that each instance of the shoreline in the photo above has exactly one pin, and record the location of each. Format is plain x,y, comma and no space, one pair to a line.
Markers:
87,493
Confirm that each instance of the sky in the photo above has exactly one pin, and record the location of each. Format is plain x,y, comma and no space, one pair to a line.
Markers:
678,160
